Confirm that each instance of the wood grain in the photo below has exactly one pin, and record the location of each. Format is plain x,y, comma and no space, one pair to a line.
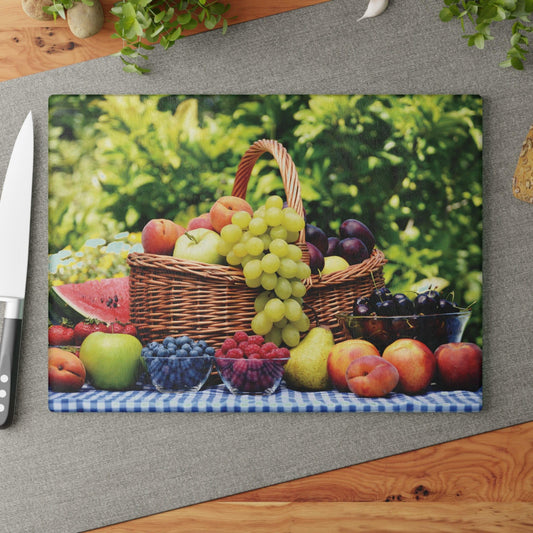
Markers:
28,46
478,484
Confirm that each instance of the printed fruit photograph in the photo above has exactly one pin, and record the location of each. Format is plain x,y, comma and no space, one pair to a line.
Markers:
265,253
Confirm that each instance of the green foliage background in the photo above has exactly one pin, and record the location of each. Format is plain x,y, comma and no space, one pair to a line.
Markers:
409,166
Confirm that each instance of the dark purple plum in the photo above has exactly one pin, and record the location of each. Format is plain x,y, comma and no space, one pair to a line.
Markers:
353,250
316,236
353,228
332,245
316,259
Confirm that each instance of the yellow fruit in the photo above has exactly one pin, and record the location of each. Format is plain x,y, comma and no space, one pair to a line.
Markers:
334,263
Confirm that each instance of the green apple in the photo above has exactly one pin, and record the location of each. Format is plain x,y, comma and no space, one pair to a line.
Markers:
199,244
112,360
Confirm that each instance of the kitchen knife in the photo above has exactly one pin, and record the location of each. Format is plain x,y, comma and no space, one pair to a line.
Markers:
15,208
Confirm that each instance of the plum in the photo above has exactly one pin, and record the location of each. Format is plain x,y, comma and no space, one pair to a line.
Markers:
353,228
332,245
316,258
316,236
353,250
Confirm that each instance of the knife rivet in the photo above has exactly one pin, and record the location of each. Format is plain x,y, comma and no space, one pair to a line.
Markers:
4,378
2,393
1,407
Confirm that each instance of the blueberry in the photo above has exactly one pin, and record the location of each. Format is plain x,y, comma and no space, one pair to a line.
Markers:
161,351
202,344
181,353
152,345
187,347
195,352
171,347
209,351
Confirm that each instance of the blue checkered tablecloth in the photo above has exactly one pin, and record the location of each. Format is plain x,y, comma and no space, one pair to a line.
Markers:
217,399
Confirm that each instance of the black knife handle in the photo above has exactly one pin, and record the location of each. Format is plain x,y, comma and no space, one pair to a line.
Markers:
9,360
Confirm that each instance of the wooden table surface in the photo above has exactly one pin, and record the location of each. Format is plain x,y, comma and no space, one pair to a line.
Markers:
482,483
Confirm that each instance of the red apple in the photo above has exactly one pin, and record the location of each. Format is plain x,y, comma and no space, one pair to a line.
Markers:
415,363
160,235
66,373
371,376
340,357
201,221
459,365
224,208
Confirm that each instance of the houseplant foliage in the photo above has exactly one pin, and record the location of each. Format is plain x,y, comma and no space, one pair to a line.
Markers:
142,24
481,15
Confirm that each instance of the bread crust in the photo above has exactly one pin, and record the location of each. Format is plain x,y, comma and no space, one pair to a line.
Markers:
523,176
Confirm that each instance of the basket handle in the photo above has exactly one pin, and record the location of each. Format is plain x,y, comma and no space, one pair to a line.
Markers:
289,174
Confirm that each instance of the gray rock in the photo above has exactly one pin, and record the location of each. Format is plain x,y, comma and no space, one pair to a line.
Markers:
85,21
34,9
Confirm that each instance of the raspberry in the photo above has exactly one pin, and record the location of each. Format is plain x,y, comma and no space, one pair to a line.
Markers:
240,336
267,348
235,353
219,353
243,345
278,353
256,339
251,349
228,344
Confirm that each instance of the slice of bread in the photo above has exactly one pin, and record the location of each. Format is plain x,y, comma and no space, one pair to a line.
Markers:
523,176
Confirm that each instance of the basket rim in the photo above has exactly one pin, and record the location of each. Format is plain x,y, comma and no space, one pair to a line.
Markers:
232,274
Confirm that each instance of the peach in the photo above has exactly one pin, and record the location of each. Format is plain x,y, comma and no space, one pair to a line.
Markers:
224,208
159,236
66,373
340,357
201,221
459,365
415,363
371,376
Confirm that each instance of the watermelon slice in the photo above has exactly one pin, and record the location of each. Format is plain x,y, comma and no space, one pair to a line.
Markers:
107,300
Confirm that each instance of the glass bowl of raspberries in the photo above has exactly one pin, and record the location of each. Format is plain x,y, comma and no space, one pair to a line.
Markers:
247,364
178,364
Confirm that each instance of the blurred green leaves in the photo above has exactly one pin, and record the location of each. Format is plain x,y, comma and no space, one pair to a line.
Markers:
408,166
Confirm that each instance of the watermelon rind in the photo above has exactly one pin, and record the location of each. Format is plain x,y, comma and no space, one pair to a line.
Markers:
107,300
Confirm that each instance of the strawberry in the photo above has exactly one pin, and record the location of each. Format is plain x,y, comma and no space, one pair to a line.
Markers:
130,329
85,328
115,327
60,335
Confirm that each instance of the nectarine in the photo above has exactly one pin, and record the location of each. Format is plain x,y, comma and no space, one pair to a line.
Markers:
159,236
66,373
415,363
371,376
459,365
340,357
201,221
224,208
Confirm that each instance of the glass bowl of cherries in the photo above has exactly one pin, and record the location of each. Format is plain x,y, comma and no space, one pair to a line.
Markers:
382,318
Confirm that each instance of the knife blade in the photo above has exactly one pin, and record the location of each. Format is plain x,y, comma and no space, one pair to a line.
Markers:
15,210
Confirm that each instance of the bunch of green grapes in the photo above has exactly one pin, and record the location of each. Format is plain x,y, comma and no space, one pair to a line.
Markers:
263,245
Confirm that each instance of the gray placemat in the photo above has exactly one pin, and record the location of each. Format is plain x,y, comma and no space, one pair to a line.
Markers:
71,472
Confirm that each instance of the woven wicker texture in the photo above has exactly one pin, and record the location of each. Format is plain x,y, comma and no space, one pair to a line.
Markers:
172,296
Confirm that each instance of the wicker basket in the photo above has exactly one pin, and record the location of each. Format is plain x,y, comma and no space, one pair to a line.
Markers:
171,296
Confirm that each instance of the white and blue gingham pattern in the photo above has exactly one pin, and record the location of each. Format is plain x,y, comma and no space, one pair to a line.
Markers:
217,399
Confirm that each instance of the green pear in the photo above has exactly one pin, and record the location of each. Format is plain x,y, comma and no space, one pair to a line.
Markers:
307,367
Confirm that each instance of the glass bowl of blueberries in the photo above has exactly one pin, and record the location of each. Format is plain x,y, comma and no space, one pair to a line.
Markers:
383,317
178,364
